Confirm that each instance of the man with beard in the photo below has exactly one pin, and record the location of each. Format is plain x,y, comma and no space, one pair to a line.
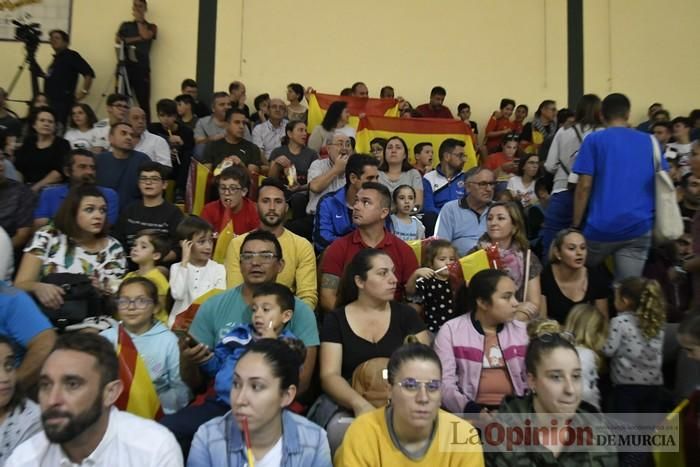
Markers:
79,167
299,273
78,386
260,259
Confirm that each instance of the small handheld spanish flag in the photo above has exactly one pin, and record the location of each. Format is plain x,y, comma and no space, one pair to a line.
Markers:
139,396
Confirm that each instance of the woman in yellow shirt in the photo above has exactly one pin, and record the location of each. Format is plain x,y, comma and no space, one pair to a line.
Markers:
411,430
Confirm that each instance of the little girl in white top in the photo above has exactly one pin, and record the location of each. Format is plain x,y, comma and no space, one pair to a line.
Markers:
406,226
196,274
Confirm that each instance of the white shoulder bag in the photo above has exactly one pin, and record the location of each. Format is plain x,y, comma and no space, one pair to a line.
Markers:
668,223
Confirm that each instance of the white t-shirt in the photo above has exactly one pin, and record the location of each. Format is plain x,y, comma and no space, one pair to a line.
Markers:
80,139
273,458
527,193
154,147
129,441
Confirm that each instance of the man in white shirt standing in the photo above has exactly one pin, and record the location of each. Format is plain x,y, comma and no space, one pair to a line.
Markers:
268,135
78,386
153,146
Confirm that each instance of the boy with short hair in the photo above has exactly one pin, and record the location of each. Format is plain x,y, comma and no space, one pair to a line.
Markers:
272,308
423,152
150,247
152,212
196,274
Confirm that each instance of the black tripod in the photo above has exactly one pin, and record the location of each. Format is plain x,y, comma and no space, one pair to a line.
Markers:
34,70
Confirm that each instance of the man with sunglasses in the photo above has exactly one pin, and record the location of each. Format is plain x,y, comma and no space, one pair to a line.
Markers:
260,261
463,221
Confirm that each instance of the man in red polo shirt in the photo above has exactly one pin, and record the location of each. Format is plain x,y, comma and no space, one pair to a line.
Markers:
434,108
371,207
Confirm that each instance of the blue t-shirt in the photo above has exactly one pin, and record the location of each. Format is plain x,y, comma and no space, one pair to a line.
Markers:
122,175
622,201
52,197
20,318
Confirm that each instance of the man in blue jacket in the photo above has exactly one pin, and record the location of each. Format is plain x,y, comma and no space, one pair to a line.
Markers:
333,216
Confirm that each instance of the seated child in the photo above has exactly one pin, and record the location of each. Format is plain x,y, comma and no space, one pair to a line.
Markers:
137,300
150,247
272,309
196,274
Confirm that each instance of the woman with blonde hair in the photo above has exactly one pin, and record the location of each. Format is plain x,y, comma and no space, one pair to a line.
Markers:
505,229
567,281
589,328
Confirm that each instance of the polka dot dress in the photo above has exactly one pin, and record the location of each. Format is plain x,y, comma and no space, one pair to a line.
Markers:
437,302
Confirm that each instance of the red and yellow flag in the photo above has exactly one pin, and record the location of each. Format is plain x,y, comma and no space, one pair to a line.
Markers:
183,320
198,181
419,247
319,103
414,131
139,396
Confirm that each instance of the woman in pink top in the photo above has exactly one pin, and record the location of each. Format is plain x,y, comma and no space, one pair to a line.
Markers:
483,352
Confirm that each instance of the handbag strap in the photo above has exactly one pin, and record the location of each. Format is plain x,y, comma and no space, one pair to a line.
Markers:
580,140
657,153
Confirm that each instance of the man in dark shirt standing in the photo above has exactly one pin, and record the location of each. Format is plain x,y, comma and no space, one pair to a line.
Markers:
61,79
139,34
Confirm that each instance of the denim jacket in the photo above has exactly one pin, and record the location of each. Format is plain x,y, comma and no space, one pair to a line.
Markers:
219,443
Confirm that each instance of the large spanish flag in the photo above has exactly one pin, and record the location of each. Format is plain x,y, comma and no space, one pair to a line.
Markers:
184,319
198,181
139,396
319,103
414,131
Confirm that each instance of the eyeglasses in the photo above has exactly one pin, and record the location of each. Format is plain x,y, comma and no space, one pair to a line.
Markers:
264,256
150,179
229,189
140,303
412,385
549,337
484,184
347,144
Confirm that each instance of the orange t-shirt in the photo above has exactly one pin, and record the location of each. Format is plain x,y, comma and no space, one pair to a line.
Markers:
495,383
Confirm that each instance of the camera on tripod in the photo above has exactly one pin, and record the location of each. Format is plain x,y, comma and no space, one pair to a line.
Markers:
29,34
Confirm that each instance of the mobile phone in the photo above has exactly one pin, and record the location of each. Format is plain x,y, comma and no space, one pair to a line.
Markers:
191,341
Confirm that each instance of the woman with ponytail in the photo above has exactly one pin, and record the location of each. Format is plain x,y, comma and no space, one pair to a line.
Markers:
554,400
412,429
259,429
634,346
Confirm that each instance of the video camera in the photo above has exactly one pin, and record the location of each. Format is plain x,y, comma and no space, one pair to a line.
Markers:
29,34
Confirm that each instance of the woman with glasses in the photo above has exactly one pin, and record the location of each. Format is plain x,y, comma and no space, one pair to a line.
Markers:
483,352
40,159
337,118
553,401
567,281
505,230
137,302
367,325
395,170
20,417
77,243
411,429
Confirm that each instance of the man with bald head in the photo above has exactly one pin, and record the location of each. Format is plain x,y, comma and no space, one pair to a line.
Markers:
359,89
463,221
268,135
146,142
